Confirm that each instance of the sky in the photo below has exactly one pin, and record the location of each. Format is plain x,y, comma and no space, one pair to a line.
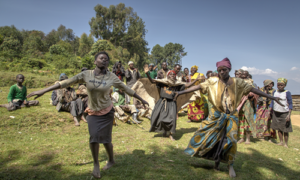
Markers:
262,37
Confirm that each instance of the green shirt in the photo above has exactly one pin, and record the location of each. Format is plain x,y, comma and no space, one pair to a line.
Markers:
152,74
121,100
16,93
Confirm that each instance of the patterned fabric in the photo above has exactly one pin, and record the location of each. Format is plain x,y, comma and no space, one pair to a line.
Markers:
263,117
282,80
198,110
210,133
246,119
263,123
267,82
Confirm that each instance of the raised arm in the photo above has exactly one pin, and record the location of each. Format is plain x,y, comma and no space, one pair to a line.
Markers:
150,79
62,84
187,85
192,89
43,91
260,93
199,78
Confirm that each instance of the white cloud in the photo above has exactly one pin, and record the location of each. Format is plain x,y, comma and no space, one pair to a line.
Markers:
294,68
254,70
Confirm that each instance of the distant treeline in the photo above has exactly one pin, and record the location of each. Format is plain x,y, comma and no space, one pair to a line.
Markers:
117,30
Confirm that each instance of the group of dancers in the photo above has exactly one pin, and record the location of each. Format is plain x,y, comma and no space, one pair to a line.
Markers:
224,106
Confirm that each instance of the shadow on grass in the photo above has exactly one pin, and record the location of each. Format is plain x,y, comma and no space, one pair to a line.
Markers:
179,132
156,162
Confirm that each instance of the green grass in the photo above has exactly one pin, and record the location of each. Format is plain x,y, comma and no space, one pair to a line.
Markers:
32,80
295,112
40,143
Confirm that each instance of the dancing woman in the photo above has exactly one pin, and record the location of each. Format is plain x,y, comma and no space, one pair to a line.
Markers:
216,138
100,108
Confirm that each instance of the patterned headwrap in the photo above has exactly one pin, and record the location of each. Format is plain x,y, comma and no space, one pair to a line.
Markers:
282,80
196,67
216,71
171,71
225,62
267,82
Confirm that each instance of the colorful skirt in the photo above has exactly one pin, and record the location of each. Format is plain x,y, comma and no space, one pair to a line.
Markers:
246,119
198,110
263,123
219,130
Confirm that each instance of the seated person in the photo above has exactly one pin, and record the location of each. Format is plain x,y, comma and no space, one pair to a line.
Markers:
17,96
142,111
68,101
118,99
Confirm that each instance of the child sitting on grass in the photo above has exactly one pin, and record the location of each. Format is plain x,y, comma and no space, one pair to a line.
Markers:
281,116
17,96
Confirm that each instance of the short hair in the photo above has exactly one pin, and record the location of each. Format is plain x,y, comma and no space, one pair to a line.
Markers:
208,72
250,76
102,52
20,75
185,68
177,65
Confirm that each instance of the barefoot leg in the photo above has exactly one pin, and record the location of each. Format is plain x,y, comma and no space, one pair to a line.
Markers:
95,152
248,134
231,171
241,141
76,121
280,138
286,139
110,151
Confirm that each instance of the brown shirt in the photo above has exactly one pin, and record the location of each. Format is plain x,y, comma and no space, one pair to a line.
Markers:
98,87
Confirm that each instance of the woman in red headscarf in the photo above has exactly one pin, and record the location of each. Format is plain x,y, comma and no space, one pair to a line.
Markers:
216,138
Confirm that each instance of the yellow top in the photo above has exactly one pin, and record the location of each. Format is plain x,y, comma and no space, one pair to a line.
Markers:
98,87
215,89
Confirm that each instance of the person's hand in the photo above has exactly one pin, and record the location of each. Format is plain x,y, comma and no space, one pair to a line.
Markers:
145,103
287,119
175,96
36,93
146,68
277,99
25,102
155,67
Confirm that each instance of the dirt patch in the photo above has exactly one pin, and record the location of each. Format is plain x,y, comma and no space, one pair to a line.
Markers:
296,120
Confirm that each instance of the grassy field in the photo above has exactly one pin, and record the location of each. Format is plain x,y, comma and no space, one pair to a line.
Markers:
40,143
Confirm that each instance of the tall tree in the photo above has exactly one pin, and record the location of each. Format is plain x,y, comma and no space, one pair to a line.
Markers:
33,42
86,43
122,27
170,53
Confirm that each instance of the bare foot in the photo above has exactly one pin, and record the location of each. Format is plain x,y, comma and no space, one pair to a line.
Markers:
271,141
76,121
231,171
286,146
189,121
96,172
171,137
241,141
83,118
108,165
280,144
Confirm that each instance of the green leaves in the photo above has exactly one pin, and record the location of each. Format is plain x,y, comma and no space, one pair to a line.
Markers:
170,53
